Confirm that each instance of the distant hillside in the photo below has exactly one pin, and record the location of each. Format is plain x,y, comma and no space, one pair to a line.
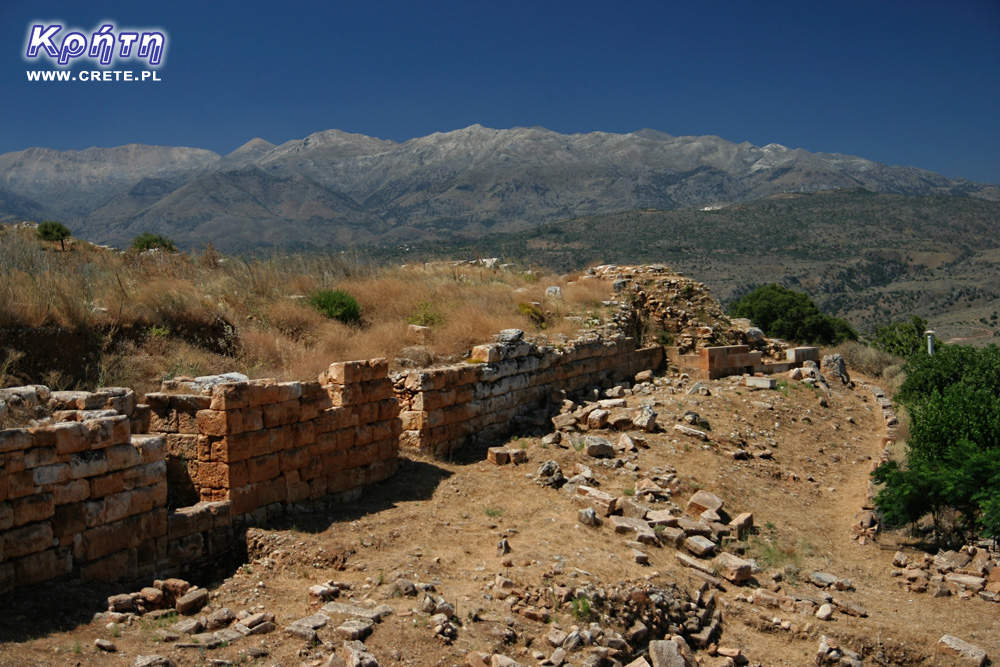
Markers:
868,257
336,189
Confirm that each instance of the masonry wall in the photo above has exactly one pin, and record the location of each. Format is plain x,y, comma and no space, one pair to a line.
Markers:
86,496
442,409
81,496
711,363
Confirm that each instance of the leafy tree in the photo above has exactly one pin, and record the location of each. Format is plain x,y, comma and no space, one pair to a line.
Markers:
903,339
149,241
337,305
50,230
784,313
953,452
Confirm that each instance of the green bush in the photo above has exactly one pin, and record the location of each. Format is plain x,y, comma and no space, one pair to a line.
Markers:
51,230
953,452
784,313
337,305
149,241
426,315
903,339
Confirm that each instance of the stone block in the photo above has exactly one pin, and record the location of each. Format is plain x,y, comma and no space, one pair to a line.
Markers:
102,540
71,492
263,468
122,456
703,500
498,456
968,653
29,509
14,439
88,464
50,474
71,437
231,396
29,539
279,414
42,566
761,382
700,546
150,447
109,568
105,485
733,568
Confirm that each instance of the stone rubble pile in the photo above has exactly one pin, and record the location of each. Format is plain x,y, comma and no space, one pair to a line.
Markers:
968,573
650,616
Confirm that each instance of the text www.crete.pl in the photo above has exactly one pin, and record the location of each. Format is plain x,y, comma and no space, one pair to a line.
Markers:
106,75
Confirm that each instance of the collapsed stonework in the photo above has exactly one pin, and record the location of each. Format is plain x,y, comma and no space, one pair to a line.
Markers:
103,486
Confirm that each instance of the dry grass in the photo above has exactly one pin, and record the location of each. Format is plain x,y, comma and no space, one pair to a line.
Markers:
204,313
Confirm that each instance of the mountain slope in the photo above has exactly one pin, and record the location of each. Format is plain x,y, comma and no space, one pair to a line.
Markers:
459,184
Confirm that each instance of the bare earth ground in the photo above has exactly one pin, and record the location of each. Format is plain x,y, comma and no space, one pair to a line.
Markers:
440,522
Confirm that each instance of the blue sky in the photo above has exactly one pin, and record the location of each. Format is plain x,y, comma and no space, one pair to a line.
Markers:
906,83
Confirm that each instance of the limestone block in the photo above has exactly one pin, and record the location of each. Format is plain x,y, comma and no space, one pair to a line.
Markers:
968,653
703,500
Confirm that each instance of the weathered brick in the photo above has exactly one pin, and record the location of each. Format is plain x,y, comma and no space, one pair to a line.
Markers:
151,447
262,392
88,464
14,439
188,521
117,506
122,456
71,492
263,468
28,539
102,540
109,568
69,520
50,474
279,414
145,475
238,475
230,396
20,484
163,421
6,515
186,549
41,566
71,437
40,456
37,507
218,422
105,485
13,462
213,475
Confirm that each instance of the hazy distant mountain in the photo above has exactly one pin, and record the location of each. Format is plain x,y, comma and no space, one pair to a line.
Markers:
336,188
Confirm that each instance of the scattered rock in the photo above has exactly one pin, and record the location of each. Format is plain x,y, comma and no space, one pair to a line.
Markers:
969,653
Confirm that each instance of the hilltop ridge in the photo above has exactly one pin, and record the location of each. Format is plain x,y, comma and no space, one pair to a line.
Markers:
456,184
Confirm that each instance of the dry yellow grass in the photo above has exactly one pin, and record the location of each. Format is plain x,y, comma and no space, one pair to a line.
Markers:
161,314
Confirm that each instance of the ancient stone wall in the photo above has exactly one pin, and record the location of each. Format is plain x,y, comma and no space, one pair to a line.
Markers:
508,381
81,496
711,363
89,497
88,491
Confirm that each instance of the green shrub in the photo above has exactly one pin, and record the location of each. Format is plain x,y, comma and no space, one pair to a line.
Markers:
150,241
903,339
784,313
51,230
532,312
953,452
426,315
337,305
